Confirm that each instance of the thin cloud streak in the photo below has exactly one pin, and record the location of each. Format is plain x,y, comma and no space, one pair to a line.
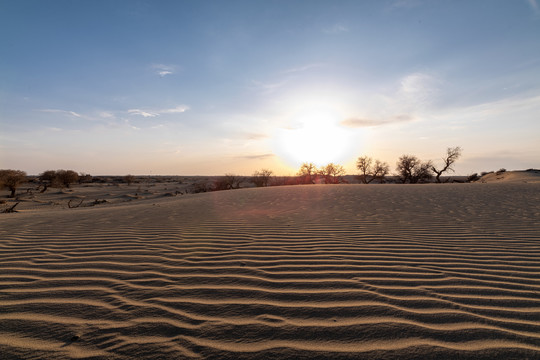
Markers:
153,113
163,70
362,122
59,111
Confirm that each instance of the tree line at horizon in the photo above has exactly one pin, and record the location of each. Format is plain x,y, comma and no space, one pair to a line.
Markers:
409,169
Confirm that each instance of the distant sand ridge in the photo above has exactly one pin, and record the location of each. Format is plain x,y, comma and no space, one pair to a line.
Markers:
318,271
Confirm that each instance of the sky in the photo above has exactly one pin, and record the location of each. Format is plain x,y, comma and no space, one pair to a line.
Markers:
215,87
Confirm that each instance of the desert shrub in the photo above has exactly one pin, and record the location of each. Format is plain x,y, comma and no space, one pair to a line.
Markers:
261,178
67,177
85,178
333,173
59,178
473,177
413,170
129,179
228,182
12,179
500,171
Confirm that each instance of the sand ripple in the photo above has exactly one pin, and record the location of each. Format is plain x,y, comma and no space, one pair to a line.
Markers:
430,271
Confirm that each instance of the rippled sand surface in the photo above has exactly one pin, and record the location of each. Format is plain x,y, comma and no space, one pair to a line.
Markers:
337,271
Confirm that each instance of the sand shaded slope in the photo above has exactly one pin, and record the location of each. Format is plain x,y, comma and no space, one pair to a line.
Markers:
345,271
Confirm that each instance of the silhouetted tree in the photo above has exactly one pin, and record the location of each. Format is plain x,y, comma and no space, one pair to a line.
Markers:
228,182
307,173
262,177
364,165
370,171
12,179
452,154
411,169
332,173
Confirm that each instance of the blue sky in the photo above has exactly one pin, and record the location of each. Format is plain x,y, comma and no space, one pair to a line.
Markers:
214,87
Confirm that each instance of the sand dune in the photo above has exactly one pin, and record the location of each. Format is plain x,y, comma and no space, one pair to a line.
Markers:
338,271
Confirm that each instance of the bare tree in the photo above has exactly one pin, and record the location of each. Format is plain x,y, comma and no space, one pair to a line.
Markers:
333,173
380,170
307,173
370,171
413,170
262,177
452,154
364,165
12,179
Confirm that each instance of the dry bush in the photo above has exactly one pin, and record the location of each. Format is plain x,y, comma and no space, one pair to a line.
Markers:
12,179
129,179
332,173
261,178
307,173
413,170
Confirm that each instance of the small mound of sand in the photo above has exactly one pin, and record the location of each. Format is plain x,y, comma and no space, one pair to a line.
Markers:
528,176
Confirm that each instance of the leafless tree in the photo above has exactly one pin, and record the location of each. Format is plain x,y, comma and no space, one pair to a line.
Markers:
308,173
12,179
452,154
364,165
370,171
333,173
413,170
261,178
380,170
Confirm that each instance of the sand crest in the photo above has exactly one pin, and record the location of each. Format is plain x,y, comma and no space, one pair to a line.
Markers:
338,271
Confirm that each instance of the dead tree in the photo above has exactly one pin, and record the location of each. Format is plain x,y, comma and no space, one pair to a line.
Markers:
74,206
10,209
452,154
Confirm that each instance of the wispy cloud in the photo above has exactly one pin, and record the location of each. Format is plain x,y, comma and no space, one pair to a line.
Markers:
178,109
59,111
337,28
142,113
363,122
163,70
257,157
419,89
154,113
303,68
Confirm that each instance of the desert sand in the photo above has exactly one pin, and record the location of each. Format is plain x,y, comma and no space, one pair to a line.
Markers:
426,271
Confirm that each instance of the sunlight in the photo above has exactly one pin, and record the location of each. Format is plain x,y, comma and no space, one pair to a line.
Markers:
314,135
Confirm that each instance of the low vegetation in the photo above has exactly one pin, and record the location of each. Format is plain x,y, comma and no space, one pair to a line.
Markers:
409,170
12,179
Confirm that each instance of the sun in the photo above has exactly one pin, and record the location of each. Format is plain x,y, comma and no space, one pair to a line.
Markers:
314,134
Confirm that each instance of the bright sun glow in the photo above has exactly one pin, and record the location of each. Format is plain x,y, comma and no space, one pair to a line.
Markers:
314,135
